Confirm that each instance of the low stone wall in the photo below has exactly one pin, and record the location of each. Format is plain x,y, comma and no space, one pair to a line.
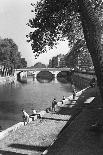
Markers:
7,131
82,80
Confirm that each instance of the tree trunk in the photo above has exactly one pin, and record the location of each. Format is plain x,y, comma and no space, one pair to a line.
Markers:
92,33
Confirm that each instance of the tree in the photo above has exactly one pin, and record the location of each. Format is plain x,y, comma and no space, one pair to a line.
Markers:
64,18
23,63
10,57
39,65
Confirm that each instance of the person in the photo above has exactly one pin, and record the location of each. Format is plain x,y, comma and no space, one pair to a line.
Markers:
25,117
54,102
34,113
92,82
74,90
63,99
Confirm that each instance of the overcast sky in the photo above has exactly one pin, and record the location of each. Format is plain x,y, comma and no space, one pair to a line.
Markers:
14,14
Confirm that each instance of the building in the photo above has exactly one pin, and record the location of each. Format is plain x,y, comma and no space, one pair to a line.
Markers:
61,61
79,58
57,61
50,63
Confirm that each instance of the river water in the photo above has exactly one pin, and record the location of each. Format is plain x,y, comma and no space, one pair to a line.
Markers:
34,94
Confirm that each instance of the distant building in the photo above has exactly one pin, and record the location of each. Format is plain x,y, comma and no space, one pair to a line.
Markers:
50,63
57,61
61,61
79,58
85,60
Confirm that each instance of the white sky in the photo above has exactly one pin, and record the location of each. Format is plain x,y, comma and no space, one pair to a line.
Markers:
14,14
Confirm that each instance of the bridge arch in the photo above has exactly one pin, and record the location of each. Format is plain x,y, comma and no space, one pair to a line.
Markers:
20,75
54,73
47,75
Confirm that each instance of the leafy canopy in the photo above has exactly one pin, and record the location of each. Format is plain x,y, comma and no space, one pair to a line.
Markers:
9,54
55,20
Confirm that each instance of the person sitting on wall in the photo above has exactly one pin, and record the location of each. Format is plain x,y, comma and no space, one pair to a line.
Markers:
25,117
54,102
48,109
34,113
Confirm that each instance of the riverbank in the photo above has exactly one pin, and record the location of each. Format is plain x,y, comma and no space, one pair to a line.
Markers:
7,79
79,136
37,135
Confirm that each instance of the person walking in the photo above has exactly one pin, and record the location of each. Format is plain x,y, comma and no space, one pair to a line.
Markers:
25,117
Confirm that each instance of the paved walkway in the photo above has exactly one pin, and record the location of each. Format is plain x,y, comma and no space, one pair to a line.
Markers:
77,138
35,137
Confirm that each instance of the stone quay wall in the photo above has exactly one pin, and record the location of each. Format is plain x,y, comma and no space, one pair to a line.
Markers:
82,79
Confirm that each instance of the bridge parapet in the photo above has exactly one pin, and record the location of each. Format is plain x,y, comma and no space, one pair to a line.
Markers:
35,71
43,69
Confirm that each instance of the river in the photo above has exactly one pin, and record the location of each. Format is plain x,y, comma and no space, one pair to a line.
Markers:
34,94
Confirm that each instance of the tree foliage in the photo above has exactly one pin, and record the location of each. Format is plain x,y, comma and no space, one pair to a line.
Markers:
10,57
39,65
23,63
55,20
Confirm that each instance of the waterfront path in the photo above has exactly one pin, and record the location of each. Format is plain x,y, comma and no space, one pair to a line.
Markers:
77,138
62,129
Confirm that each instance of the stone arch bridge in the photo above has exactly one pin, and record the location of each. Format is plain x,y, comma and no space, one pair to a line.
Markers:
34,71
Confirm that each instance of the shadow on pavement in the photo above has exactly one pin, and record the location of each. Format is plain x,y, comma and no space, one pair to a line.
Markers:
77,138
28,147
2,152
55,119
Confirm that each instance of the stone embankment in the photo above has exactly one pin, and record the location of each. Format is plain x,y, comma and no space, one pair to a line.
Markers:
84,135
39,135
82,79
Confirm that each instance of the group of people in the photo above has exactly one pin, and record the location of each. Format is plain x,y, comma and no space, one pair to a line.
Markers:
54,103
26,117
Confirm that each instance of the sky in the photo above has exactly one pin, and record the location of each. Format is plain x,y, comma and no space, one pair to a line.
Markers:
14,14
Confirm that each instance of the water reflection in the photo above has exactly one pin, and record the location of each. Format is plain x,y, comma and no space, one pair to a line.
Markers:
43,80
